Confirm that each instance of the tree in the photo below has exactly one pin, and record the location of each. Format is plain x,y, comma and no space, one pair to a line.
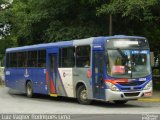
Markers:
5,38
41,21
34,21
132,17
135,9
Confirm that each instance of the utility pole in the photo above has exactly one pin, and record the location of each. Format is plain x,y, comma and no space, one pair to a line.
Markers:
110,24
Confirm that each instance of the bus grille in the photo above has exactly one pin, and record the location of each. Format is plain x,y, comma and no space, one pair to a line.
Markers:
132,83
130,89
131,94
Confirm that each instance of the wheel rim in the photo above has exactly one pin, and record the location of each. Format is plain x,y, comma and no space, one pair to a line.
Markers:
83,95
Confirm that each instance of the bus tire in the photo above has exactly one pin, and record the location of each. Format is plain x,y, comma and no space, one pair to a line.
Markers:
82,95
120,102
29,89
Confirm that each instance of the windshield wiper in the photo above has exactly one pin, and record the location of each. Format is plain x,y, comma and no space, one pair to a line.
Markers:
128,66
125,58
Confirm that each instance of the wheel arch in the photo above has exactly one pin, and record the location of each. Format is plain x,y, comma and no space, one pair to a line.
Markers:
78,85
28,80
81,100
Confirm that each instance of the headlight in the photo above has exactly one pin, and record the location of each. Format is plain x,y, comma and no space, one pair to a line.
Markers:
112,87
148,86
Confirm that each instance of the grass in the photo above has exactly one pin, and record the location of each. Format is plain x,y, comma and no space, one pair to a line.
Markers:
1,83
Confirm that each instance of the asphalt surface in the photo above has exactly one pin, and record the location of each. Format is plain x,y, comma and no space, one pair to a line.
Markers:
15,102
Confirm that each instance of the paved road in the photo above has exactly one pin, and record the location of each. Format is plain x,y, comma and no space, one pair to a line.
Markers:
15,102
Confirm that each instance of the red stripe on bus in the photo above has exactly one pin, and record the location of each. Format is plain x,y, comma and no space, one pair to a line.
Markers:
52,87
49,79
117,81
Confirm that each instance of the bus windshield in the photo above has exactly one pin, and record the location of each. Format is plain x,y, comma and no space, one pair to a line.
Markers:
128,63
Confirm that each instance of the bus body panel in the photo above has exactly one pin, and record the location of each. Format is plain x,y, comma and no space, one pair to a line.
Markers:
132,95
65,82
18,77
38,77
66,79
69,78
81,75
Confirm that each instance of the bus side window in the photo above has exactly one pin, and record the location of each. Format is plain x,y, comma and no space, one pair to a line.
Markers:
21,61
83,56
67,57
32,59
42,58
13,60
7,60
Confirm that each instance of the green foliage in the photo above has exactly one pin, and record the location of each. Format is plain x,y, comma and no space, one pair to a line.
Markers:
5,43
41,21
135,9
133,17
4,2
5,38
38,21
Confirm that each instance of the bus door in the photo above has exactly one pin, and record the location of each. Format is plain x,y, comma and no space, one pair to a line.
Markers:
51,73
98,74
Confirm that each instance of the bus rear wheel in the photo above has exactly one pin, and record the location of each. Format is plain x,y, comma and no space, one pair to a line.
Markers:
82,95
29,89
120,102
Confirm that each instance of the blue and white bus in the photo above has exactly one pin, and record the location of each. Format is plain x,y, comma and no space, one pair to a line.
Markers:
115,68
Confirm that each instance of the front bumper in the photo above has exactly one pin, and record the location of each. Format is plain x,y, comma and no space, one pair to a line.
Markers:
129,95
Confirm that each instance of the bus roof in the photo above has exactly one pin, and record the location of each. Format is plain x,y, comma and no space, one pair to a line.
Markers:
77,42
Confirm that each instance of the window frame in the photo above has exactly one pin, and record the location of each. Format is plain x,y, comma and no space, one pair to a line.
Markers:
75,56
61,57
85,57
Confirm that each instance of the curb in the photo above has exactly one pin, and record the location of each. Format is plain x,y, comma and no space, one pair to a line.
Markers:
149,99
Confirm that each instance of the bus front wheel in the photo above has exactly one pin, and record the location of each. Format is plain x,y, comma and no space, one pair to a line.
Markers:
82,95
29,89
